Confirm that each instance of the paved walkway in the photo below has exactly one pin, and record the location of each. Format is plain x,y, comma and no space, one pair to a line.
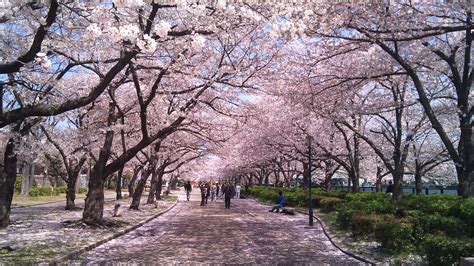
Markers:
245,234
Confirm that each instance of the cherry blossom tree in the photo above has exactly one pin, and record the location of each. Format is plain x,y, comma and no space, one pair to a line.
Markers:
431,44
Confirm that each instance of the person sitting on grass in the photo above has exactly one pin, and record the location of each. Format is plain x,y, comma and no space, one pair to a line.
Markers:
281,200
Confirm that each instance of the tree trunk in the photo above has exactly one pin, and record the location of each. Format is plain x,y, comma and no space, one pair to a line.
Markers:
327,181
159,185
27,178
71,192
7,182
378,180
118,188
466,150
466,186
73,174
418,176
153,185
131,184
354,179
94,205
356,160
173,182
137,195
398,184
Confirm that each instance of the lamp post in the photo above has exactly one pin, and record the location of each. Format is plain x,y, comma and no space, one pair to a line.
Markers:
310,198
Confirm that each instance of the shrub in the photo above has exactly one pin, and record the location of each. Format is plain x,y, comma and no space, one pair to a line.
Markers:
446,205
18,184
436,223
344,216
414,217
43,191
82,190
330,204
394,235
295,199
444,250
62,189
264,193
363,225
316,199
335,193
467,214
34,192
371,202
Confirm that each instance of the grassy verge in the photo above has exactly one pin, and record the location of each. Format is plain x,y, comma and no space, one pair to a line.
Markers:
21,201
169,197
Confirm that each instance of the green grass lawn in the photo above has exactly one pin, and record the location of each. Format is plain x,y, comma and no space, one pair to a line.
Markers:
19,200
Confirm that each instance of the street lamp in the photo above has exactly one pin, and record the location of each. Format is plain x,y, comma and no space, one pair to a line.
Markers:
309,139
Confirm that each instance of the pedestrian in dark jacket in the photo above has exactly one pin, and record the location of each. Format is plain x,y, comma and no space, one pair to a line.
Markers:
208,191
389,188
228,194
280,201
203,193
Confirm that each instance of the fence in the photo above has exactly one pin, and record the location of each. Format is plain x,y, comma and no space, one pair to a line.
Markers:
450,190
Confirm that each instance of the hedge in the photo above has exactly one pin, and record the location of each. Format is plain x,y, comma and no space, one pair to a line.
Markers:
43,191
330,204
440,227
445,250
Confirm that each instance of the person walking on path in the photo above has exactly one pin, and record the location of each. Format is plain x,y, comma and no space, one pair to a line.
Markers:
390,188
281,200
237,191
203,193
208,191
213,193
228,194
224,186
217,190
188,189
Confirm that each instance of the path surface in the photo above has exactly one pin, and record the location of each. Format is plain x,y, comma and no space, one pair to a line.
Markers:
246,233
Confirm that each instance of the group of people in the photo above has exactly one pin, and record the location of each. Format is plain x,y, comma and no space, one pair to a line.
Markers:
214,191
228,191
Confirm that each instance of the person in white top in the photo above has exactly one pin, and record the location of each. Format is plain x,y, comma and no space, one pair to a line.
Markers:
237,191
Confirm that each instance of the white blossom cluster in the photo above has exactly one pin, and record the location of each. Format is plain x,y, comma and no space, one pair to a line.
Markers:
43,60
5,9
147,44
93,31
162,28
129,3
198,42
127,32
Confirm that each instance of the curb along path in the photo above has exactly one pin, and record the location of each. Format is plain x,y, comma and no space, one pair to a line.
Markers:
246,233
